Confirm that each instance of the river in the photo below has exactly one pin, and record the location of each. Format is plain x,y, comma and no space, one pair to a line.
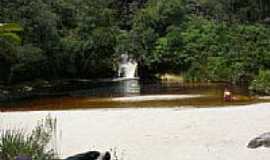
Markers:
154,129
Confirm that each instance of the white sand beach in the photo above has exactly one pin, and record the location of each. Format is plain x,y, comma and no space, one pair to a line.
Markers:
157,133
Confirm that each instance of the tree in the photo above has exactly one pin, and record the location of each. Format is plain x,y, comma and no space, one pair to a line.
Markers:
234,11
151,24
8,32
8,42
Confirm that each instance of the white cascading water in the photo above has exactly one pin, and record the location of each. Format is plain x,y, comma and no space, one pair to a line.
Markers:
127,67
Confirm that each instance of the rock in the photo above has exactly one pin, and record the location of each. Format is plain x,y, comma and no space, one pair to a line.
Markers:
267,20
27,88
262,140
3,95
91,155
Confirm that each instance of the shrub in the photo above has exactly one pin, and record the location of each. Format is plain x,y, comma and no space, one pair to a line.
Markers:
35,145
261,84
217,69
197,73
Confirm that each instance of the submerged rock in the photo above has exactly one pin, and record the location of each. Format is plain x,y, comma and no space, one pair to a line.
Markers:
262,140
91,155
3,95
27,88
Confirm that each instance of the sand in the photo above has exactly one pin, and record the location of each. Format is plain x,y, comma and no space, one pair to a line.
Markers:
157,133
153,98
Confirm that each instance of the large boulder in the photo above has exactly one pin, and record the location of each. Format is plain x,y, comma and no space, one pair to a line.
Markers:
91,155
262,140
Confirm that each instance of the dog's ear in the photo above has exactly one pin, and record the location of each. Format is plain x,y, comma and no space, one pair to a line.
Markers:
255,143
107,156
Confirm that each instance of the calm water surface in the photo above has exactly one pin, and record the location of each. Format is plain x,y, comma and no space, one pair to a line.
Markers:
85,95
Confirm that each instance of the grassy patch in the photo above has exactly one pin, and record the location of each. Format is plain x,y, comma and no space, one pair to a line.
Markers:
14,143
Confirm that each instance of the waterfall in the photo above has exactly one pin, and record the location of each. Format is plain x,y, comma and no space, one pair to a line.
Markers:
128,82
127,67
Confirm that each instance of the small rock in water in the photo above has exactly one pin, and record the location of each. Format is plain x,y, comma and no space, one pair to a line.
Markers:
27,88
262,140
91,155
23,158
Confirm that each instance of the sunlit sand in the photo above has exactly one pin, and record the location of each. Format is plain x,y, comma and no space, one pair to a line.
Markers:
156,134
153,97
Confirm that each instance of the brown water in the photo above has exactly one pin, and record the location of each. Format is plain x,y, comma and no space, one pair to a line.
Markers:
101,95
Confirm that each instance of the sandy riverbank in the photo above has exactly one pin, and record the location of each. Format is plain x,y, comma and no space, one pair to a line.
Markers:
153,98
157,133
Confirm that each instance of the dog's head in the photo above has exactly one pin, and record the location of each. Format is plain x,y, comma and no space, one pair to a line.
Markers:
255,143
104,156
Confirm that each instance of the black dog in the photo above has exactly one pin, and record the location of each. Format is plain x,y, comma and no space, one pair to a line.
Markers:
91,155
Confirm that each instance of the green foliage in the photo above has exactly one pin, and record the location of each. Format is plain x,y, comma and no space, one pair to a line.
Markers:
8,32
196,73
126,44
234,11
261,83
9,37
29,61
156,33
216,40
125,12
74,38
9,40
158,15
218,69
35,145
231,53
89,46
166,55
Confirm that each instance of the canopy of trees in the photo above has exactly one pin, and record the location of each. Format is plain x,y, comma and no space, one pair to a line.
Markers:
217,40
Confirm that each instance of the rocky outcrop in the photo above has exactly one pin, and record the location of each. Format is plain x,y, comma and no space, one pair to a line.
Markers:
262,140
91,155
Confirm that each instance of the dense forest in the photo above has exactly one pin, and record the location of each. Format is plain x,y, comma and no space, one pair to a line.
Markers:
203,40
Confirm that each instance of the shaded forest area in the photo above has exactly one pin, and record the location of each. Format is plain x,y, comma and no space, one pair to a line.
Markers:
203,40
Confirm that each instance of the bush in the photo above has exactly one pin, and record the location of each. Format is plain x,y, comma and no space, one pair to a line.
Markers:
217,69
261,84
17,143
197,73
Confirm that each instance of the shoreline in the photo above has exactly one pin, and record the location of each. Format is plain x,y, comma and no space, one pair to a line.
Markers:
136,102
157,133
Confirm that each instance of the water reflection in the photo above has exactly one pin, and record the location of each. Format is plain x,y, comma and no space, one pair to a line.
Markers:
130,87
102,95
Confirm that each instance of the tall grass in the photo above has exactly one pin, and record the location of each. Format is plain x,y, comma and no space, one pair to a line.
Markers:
15,143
